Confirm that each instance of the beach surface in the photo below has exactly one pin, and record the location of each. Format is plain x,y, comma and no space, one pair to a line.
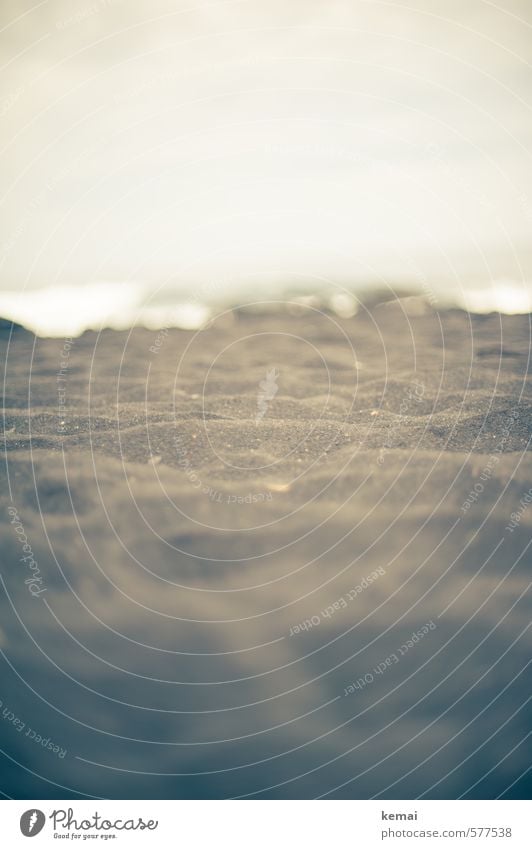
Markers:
283,556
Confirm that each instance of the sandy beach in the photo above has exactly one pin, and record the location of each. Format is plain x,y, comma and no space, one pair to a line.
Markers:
284,556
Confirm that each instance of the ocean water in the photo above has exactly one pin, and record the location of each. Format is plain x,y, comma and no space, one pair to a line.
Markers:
68,311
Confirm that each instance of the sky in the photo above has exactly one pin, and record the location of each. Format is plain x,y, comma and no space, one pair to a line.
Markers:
230,146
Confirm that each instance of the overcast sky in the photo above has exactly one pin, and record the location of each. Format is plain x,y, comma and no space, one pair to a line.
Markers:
153,140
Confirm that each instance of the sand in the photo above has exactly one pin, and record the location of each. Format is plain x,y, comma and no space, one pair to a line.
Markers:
286,556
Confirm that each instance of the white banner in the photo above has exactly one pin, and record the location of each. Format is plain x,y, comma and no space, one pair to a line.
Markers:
266,824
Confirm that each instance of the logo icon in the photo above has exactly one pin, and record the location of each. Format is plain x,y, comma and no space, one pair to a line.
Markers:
32,822
268,389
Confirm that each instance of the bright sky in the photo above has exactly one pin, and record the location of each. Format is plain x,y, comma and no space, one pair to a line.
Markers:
211,143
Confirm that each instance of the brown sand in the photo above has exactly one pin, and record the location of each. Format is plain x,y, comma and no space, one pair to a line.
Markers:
236,532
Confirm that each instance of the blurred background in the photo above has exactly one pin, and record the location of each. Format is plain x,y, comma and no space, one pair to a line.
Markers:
162,156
